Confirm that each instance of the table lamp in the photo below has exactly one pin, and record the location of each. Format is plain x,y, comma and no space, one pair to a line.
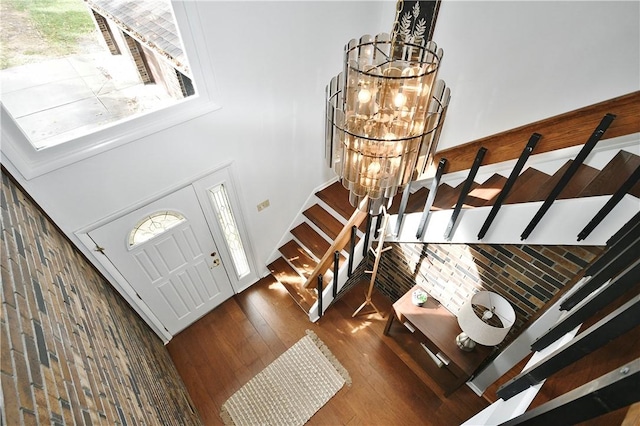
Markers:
486,319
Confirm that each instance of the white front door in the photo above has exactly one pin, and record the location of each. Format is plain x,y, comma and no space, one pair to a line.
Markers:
178,272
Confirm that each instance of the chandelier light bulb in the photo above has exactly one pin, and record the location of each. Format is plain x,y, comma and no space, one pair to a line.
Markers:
364,96
399,100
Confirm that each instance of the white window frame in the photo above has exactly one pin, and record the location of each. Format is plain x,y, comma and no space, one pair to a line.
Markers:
32,163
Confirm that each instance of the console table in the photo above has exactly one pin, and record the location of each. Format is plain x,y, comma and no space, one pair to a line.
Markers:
427,336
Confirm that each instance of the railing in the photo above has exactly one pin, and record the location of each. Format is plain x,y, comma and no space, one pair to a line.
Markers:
357,252
339,243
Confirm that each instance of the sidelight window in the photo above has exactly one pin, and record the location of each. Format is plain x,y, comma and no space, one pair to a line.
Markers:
227,222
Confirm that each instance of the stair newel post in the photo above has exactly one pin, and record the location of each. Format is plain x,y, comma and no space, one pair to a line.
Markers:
533,140
430,198
566,177
336,266
319,296
352,249
403,207
448,234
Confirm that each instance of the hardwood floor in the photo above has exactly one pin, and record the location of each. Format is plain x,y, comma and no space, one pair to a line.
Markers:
227,347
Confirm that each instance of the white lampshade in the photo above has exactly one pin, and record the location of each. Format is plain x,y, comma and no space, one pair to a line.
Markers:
479,330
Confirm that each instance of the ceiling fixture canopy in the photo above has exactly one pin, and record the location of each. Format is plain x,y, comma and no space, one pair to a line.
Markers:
384,114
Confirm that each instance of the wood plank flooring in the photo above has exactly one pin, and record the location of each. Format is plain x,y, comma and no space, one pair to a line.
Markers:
227,347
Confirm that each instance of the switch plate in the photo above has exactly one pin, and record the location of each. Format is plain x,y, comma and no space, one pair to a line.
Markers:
263,205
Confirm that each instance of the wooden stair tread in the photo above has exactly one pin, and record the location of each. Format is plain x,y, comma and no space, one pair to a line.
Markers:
293,282
417,200
488,191
443,195
324,220
526,186
298,257
468,201
613,175
545,189
415,203
336,196
313,241
580,180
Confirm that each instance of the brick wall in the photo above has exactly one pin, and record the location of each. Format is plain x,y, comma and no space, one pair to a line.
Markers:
73,351
527,276
139,58
103,26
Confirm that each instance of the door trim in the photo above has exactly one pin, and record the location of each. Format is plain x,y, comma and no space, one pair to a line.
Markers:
118,281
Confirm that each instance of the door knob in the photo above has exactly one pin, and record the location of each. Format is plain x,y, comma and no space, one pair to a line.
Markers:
215,262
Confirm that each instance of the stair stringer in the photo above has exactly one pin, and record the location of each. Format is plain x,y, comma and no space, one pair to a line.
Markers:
548,162
299,218
560,226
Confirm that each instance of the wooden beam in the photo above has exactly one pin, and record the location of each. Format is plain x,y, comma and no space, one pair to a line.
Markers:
561,131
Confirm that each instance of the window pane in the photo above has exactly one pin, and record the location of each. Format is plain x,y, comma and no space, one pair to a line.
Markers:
230,230
153,225
69,68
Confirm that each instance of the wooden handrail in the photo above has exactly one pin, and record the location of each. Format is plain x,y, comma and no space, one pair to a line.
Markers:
338,244
560,131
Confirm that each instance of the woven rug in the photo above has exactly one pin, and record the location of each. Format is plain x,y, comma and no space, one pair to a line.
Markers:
290,389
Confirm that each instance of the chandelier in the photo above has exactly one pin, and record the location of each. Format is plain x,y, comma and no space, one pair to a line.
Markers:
384,115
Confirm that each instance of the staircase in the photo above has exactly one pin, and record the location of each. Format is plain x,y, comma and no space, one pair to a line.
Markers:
577,203
581,198
318,227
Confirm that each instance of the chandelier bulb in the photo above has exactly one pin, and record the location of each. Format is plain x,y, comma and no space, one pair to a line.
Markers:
364,96
399,100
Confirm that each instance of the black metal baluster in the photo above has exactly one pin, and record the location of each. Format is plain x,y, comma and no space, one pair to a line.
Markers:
582,155
465,191
320,296
352,248
336,266
367,234
430,198
611,203
376,227
533,140
403,207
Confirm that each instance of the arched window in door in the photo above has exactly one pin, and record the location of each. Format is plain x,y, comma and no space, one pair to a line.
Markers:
152,225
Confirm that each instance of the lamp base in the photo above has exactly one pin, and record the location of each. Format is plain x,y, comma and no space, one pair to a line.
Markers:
464,342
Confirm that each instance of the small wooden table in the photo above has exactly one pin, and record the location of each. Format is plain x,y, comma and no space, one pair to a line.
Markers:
428,335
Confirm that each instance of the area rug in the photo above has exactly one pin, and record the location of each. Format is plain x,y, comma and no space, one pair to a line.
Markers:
290,389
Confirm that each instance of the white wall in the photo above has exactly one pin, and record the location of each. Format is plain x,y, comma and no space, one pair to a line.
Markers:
271,62
510,63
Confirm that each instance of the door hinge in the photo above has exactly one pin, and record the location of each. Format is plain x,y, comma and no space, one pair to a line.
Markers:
99,249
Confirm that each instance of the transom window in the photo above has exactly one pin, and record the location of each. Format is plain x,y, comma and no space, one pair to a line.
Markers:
153,225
